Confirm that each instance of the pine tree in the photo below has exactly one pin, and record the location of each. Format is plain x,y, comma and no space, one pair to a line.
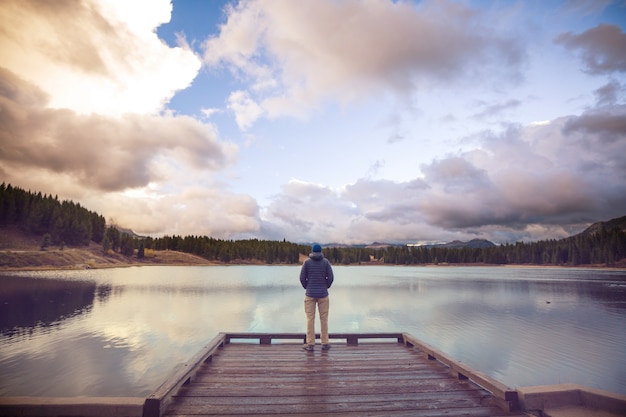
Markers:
45,243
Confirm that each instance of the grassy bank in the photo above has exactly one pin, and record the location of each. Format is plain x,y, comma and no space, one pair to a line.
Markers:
89,258
19,251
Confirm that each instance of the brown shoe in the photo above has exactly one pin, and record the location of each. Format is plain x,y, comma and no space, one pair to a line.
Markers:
308,347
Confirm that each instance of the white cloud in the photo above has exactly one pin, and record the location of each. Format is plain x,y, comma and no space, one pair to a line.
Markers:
180,208
294,55
246,110
95,56
210,112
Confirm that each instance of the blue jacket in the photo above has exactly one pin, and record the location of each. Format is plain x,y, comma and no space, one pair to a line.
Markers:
316,275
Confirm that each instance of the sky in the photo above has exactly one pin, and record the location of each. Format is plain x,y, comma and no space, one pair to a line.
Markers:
331,121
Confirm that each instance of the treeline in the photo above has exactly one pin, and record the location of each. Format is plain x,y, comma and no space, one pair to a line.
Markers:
605,247
67,223
268,251
60,222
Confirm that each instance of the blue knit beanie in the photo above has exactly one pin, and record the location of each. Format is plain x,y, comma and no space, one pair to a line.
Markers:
317,248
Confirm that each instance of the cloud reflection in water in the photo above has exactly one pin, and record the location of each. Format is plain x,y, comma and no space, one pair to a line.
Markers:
521,326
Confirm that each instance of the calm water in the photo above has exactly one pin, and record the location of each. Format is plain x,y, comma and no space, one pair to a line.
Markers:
120,332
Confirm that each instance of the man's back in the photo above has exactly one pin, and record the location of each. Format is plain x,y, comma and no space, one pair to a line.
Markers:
316,275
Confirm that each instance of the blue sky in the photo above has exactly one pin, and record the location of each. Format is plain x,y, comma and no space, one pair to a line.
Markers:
321,120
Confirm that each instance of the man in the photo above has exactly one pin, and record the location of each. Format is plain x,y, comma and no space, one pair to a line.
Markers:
316,277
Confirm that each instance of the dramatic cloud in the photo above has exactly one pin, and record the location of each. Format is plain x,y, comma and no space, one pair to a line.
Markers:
81,88
517,185
107,153
609,126
95,56
86,157
297,54
601,48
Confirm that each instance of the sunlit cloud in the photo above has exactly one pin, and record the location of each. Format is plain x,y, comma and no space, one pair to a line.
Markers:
297,55
92,56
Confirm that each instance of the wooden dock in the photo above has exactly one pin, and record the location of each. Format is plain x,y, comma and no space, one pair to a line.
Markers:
361,375
383,374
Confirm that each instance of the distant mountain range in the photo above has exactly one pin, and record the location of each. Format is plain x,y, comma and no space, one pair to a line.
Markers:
619,223
474,243
457,244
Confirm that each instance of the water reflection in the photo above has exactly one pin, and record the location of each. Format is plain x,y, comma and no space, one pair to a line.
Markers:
28,303
122,331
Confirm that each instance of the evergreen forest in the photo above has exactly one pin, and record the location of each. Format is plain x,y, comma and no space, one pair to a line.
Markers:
62,223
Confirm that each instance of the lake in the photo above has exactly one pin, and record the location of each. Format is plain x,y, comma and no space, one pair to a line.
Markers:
120,332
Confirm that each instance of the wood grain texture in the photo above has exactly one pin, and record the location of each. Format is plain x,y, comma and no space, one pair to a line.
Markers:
368,379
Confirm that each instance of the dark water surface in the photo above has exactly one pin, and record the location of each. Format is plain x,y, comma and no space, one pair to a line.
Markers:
120,332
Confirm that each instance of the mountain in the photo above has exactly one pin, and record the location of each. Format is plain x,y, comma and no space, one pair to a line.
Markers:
619,223
378,245
474,243
456,244
375,245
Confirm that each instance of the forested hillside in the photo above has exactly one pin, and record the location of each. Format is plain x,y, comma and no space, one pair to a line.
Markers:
63,223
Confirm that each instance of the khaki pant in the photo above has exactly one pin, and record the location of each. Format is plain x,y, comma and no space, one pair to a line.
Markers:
323,305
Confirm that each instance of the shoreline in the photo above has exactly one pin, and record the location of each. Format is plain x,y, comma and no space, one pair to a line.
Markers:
79,259
21,252
90,258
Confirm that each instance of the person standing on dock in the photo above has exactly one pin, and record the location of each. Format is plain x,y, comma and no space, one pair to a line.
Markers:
316,277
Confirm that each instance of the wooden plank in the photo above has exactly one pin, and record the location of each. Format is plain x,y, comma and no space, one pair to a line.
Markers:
357,397
371,374
317,375
440,386
337,407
